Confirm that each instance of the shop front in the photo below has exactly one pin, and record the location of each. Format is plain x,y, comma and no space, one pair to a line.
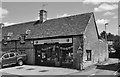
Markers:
54,52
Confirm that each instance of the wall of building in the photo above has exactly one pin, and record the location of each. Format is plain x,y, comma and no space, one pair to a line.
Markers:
77,42
119,29
21,48
91,42
0,40
0,48
100,52
28,48
9,46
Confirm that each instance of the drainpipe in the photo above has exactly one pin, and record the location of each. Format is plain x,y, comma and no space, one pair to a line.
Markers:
16,46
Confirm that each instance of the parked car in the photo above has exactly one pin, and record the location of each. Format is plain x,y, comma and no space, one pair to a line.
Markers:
12,58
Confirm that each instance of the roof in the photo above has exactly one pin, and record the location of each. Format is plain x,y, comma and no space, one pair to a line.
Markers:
71,25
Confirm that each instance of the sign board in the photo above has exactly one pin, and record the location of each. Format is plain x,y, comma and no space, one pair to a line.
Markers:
62,40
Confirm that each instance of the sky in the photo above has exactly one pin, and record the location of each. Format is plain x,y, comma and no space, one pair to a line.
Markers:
105,11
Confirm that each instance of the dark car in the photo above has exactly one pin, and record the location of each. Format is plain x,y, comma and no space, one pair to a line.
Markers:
10,58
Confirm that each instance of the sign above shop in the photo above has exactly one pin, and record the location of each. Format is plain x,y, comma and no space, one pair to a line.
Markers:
62,40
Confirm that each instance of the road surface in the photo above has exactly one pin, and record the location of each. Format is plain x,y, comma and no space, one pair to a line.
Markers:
108,69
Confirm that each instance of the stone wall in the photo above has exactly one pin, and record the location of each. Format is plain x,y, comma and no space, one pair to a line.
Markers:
27,48
9,46
97,47
77,42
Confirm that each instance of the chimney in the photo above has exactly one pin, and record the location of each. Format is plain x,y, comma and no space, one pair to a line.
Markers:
43,15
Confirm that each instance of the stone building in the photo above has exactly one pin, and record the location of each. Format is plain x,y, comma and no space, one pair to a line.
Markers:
71,41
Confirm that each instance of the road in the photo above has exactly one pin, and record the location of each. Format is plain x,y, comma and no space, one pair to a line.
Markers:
108,69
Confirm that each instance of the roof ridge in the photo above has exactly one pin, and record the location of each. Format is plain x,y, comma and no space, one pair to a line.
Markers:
47,20
20,23
72,15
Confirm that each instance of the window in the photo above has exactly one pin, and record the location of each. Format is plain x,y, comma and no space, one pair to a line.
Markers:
10,34
12,54
88,55
6,56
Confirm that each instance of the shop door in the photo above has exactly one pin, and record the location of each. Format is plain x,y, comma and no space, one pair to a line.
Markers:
38,55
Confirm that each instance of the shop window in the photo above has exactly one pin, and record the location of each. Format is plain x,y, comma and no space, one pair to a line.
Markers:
88,55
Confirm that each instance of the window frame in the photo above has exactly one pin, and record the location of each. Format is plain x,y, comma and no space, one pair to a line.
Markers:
4,55
89,55
13,56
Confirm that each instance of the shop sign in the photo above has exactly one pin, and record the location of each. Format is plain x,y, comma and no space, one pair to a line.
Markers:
63,40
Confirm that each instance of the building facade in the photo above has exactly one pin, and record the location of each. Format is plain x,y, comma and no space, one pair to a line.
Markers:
71,41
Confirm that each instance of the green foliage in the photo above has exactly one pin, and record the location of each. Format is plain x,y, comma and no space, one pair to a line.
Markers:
116,45
110,37
102,34
115,39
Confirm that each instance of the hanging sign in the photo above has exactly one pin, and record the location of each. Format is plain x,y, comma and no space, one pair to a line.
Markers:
62,40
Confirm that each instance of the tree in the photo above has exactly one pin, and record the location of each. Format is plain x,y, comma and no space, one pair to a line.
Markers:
102,34
110,37
116,45
116,42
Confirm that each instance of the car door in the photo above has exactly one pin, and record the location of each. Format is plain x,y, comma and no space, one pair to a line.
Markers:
5,59
12,58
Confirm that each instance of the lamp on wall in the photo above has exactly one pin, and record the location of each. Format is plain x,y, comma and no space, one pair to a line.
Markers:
22,38
80,51
9,35
4,40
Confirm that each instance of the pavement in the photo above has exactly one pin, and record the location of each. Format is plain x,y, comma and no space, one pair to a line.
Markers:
37,70
109,67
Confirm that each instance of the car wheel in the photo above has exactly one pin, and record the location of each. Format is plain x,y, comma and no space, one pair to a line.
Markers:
20,62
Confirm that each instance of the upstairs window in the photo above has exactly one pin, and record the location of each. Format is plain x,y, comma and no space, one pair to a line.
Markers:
10,34
28,31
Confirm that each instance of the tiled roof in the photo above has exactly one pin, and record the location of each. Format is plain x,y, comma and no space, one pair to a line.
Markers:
71,25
